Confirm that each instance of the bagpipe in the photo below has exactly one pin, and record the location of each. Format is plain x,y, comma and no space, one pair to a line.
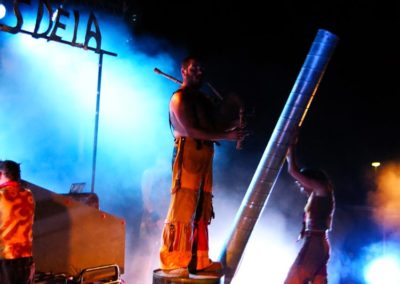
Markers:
228,110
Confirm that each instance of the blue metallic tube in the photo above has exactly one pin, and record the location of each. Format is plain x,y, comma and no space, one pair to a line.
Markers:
274,155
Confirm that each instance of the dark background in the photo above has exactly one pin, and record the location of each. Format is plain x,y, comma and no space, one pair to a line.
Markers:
256,49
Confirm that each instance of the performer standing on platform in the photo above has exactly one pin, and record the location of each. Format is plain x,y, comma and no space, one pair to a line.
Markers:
185,234
310,266
16,220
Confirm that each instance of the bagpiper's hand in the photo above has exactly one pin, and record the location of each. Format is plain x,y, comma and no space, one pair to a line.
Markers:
243,133
236,134
233,134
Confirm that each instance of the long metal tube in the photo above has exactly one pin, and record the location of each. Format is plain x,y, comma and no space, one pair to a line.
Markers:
274,155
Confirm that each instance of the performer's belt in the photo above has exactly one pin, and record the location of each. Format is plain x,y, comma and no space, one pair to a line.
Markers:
205,142
310,233
199,142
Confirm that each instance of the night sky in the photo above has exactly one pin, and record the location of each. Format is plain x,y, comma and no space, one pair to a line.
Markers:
256,48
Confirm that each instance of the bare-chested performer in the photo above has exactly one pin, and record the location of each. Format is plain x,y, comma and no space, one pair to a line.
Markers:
184,245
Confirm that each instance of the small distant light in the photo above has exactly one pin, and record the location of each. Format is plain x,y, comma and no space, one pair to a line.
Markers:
2,11
375,164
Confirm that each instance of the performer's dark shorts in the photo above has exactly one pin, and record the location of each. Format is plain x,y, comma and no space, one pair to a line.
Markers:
17,271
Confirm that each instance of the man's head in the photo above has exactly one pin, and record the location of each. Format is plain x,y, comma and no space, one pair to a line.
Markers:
192,72
10,170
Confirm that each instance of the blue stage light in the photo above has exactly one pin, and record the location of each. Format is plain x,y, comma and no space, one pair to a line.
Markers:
3,10
384,269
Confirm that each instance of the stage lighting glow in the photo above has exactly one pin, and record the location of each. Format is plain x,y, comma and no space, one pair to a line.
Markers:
277,250
385,269
2,11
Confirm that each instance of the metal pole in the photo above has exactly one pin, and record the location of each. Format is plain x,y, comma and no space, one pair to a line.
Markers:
274,155
96,122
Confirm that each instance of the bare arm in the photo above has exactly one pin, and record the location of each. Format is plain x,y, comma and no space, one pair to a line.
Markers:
310,185
185,123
